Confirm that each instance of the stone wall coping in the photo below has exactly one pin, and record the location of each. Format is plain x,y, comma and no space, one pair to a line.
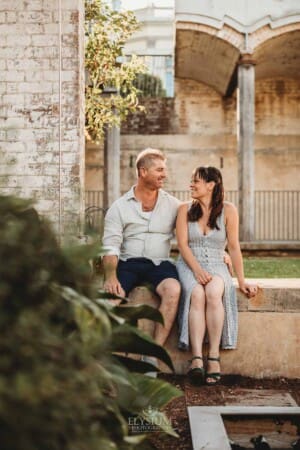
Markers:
275,283
274,295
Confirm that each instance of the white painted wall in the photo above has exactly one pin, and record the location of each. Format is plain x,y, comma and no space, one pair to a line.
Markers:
243,15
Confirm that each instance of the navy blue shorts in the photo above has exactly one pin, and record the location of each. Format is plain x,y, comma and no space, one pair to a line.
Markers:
137,271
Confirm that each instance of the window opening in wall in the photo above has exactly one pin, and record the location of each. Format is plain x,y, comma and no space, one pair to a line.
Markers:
159,80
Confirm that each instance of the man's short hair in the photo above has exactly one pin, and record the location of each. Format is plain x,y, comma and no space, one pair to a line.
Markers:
147,156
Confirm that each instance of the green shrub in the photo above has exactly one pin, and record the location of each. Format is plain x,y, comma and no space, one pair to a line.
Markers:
62,385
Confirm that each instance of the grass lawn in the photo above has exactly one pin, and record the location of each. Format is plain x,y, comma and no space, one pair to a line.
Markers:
271,267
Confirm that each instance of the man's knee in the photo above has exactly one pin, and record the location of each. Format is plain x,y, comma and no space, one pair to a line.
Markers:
170,287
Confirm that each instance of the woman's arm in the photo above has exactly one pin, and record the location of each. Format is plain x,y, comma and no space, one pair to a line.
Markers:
201,275
234,249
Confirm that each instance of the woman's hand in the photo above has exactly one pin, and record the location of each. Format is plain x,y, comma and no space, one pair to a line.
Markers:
202,276
250,290
228,262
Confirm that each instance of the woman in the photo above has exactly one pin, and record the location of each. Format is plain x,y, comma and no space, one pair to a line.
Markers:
208,301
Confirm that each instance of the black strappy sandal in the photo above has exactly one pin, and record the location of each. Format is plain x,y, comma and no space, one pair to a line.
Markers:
214,375
196,374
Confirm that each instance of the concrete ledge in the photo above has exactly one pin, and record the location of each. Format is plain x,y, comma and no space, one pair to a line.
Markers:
274,295
269,325
293,246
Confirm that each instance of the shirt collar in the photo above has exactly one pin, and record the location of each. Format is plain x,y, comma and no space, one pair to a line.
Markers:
130,194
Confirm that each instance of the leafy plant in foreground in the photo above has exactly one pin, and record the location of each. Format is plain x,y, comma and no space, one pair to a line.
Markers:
63,383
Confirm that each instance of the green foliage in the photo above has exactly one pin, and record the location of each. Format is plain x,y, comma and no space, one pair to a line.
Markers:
106,34
272,267
62,386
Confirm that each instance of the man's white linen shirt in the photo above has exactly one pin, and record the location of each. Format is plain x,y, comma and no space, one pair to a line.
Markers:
131,233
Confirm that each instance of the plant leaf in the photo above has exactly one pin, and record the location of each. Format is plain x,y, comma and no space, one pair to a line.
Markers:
128,339
134,313
135,365
158,392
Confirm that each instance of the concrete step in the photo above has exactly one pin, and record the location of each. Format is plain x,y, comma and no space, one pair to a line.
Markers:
269,324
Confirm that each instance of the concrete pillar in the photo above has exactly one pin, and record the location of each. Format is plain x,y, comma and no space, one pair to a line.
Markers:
246,85
111,166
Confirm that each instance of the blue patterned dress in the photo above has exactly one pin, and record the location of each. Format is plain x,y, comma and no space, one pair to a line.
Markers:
209,251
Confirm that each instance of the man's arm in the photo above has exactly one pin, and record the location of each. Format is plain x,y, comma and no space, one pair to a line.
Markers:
112,240
111,283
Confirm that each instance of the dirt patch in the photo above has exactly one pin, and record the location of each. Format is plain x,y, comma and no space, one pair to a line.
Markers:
220,395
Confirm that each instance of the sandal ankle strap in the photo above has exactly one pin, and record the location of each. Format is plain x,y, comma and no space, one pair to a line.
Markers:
213,359
195,357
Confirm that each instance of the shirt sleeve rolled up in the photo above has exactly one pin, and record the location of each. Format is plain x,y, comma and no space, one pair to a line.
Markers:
113,232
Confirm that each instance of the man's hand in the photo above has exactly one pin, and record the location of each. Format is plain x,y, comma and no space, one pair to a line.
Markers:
113,286
111,283
228,262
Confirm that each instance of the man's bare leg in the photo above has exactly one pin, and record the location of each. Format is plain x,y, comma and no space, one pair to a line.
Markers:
169,292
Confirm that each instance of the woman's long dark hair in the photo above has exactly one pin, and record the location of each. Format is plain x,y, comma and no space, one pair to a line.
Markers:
195,212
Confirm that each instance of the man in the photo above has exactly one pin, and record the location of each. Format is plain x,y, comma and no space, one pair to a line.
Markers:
138,230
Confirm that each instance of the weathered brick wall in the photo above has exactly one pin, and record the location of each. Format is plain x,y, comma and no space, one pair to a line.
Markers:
41,109
159,118
277,140
202,130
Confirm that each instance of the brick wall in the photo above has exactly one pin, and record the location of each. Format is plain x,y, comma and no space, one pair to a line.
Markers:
197,109
41,109
202,130
159,118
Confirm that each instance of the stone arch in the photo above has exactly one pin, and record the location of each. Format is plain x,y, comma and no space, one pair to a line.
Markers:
266,32
195,45
279,55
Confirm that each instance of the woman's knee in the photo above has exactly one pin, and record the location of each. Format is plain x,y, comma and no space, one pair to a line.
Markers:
215,288
214,297
198,297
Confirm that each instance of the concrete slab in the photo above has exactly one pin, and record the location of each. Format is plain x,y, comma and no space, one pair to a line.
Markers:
207,426
207,429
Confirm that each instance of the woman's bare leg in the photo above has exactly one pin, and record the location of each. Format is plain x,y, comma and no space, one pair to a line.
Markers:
214,319
197,323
